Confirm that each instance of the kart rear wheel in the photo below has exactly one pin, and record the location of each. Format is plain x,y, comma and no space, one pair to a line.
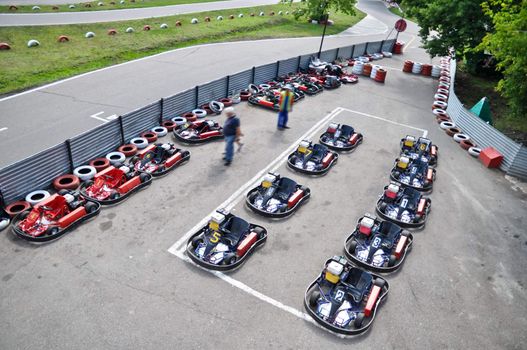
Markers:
392,260
417,218
229,259
52,231
382,206
115,195
358,320
196,242
90,207
143,178
313,298
260,232
352,246
379,283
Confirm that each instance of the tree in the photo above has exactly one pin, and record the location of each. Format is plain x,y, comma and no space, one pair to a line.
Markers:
508,44
446,24
317,9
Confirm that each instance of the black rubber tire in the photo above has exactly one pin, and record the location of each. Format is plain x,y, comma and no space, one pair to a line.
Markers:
358,320
260,232
117,165
392,260
379,282
313,298
352,246
196,241
63,192
51,231
143,177
90,207
417,217
115,195
382,206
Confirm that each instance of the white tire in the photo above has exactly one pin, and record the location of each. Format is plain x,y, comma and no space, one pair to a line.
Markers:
216,106
116,157
440,104
264,86
219,18
179,120
200,113
84,172
194,21
460,137
160,131
139,142
474,151
36,8
438,111
163,26
4,223
447,125
35,197
253,89
33,43
89,35
129,30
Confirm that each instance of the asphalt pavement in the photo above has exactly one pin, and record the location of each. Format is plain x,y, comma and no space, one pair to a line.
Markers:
50,114
41,19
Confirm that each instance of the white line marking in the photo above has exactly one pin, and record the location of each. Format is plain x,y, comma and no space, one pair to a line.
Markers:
112,117
95,116
235,197
411,41
2,129
238,195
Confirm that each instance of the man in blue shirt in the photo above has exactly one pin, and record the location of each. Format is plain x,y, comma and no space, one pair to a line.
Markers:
232,132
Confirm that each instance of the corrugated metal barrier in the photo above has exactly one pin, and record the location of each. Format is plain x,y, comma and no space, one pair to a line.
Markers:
39,170
485,135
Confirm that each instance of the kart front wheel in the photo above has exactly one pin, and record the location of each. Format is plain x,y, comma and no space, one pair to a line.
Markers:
358,320
115,195
352,246
90,207
392,260
196,242
52,231
143,178
313,298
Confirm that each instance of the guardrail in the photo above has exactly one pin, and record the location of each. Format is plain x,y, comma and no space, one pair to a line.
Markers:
39,170
485,135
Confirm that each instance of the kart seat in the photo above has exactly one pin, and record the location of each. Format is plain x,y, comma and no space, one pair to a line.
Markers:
358,282
412,196
389,230
286,187
346,131
234,228
319,151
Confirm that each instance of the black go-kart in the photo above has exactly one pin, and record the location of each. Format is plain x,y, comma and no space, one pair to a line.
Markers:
159,159
403,205
54,217
270,98
379,246
225,242
331,82
312,159
277,196
199,131
416,174
422,149
345,299
341,137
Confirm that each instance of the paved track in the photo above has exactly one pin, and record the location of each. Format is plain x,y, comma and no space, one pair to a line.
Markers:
55,112
40,19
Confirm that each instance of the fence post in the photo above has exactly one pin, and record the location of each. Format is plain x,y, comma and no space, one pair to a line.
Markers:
227,86
162,102
121,127
253,74
338,51
298,63
277,69
196,95
352,51
70,155
366,49
382,45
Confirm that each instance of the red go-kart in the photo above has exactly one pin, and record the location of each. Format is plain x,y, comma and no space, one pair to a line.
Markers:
114,184
53,217
159,159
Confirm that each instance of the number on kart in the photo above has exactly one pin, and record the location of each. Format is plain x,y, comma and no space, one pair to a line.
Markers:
339,296
376,242
404,203
215,237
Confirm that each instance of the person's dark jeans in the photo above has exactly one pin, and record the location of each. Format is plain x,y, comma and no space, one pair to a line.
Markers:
229,147
282,119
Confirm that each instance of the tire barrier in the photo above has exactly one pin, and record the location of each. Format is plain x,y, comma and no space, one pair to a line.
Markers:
245,94
358,68
408,66
63,39
367,69
207,19
13,8
219,18
445,79
36,8
261,14
35,197
112,31
146,27
180,120
227,102
160,131
452,131
194,21
129,30
426,70
374,69
178,24
416,69
189,116
253,89
461,137
466,144
398,48
441,97
380,77
71,6
474,151
116,157
87,5
439,104
150,136
387,54
443,91
438,112
240,15
436,70
100,4
252,14
442,118
66,182
231,17
169,124
216,107
447,125
84,172
206,108
163,26
200,113
99,164
5,46
128,150
89,35
17,207
139,142
33,43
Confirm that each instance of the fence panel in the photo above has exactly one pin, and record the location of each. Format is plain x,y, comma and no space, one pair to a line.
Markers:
95,143
141,119
345,52
211,91
374,47
264,73
360,49
518,167
240,81
34,173
388,45
178,104
328,55
288,66
304,60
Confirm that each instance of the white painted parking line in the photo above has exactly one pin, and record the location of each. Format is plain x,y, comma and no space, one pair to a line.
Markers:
178,248
95,116
112,117
3,129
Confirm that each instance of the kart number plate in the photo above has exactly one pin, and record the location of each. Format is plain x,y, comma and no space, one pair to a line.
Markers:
404,203
339,296
99,182
33,216
422,147
215,237
376,242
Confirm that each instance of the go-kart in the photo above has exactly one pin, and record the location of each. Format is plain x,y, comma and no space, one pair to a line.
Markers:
344,298
413,173
422,149
341,137
225,242
307,86
199,131
5,219
277,196
404,206
114,184
312,159
270,98
54,216
377,245
159,159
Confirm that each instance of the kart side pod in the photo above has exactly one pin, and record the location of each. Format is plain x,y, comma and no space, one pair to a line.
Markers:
67,220
375,291
295,198
421,206
353,139
209,134
129,185
173,159
327,160
246,244
400,246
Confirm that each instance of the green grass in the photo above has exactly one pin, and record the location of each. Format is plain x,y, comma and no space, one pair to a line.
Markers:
472,88
24,67
398,12
108,5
